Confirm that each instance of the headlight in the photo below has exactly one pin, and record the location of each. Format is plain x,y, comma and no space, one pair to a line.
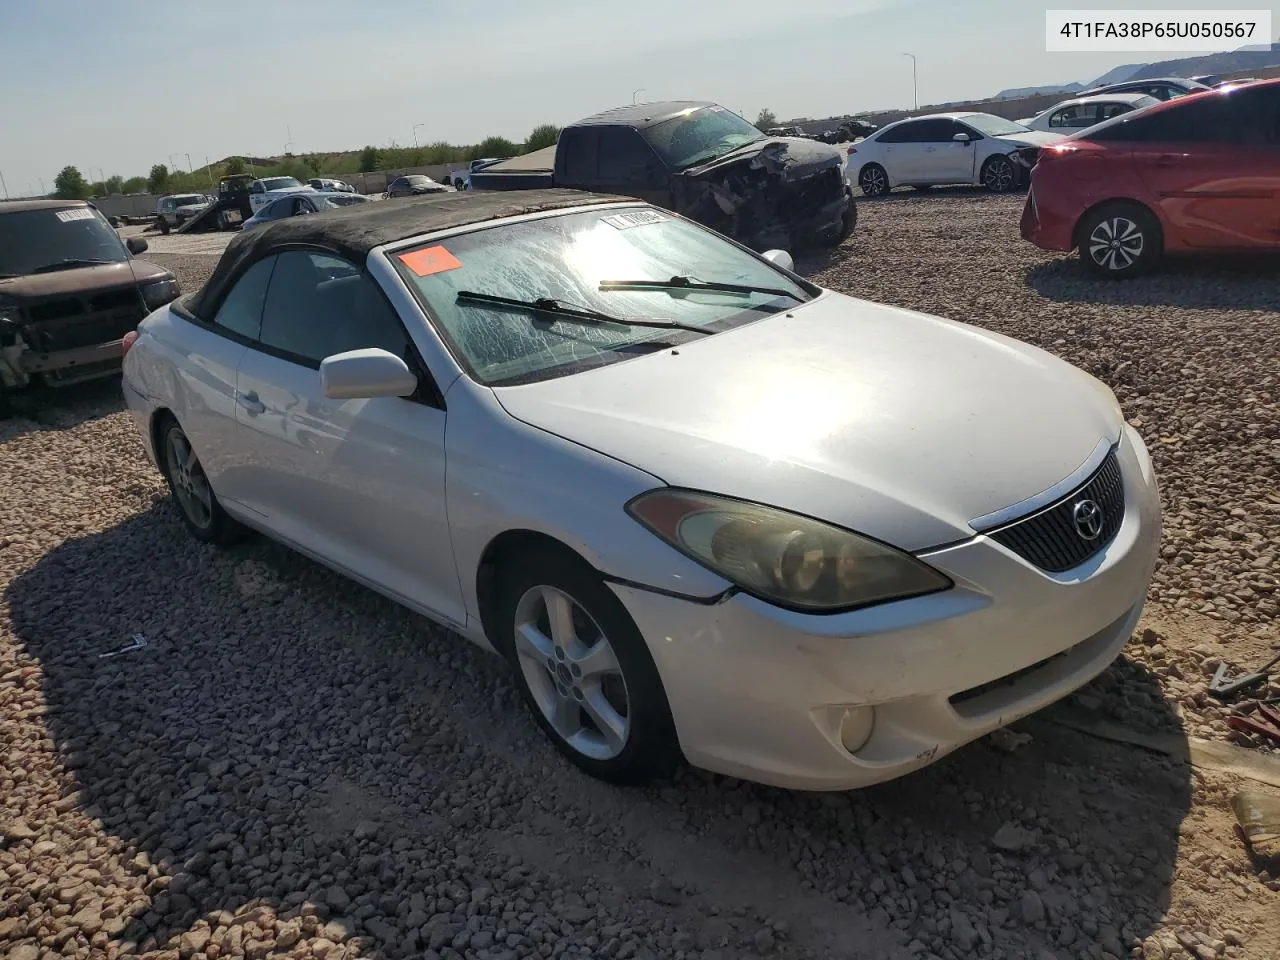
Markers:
782,557
158,294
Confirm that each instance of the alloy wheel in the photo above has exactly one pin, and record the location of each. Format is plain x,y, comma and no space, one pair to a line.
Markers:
189,482
1116,243
572,672
874,183
998,176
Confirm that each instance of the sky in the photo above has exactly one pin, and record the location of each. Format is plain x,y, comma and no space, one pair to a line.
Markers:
113,88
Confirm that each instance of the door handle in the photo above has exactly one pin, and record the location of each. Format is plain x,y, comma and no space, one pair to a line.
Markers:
252,405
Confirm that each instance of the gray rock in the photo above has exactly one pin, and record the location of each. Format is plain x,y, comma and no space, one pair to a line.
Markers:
337,898
763,941
1031,907
1011,838
661,891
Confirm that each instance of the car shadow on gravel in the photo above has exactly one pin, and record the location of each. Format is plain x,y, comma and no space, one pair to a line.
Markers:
59,408
292,758
1210,283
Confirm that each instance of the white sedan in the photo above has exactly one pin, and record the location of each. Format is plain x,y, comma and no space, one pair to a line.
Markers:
300,203
703,507
264,191
946,148
1083,112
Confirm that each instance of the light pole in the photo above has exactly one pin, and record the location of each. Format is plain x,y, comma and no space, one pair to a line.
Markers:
415,134
915,96
5,185
635,92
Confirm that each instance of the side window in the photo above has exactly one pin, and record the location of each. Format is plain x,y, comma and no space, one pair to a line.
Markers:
580,153
319,305
1200,121
938,130
257,188
902,133
1075,117
241,310
623,156
1255,116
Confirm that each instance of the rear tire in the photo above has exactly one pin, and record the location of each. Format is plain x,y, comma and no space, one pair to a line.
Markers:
873,180
584,670
196,501
1120,240
163,225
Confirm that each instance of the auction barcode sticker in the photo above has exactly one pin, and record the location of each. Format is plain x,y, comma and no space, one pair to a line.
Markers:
75,213
636,219
1156,31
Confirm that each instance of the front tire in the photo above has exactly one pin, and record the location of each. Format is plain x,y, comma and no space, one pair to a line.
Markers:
164,225
584,670
197,503
873,180
998,175
1120,240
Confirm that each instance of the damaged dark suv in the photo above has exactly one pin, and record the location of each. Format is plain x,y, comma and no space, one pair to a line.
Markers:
704,162
70,290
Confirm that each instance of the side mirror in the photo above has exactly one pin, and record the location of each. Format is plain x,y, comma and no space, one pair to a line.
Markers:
781,259
135,244
961,138
362,374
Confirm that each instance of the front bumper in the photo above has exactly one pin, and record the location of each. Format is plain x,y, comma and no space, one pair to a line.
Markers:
758,692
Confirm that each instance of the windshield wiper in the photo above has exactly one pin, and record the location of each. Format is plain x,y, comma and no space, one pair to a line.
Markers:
689,283
69,263
568,311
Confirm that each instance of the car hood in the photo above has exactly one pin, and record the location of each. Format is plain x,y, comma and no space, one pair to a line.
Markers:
795,156
896,424
106,276
1032,138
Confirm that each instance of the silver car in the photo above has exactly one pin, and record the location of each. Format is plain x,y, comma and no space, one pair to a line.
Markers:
703,507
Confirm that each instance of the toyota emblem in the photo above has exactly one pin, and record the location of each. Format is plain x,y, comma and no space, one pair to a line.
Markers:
1087,516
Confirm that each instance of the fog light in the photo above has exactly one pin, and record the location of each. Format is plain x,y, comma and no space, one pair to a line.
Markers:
856,726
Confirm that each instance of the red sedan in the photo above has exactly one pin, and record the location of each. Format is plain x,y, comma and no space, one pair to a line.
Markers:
1200,173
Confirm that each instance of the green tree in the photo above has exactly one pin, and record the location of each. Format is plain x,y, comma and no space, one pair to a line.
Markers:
115,184
159,178
493,147
134,185
543,135
69,184
765,119
370,159
313,163
235,166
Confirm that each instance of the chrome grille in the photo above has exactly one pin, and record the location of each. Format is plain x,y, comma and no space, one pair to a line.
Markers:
1051,539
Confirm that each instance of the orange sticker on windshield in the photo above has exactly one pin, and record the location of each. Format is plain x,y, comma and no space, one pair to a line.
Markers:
430,260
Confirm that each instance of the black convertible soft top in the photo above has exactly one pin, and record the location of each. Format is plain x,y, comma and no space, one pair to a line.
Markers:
352,231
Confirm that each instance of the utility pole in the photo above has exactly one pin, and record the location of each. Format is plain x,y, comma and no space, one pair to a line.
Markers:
415,134
915,96
5,185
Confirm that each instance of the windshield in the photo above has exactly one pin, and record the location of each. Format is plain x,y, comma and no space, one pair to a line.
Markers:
31,239
417,181
699,135
990,126
279,183
189,200
565,258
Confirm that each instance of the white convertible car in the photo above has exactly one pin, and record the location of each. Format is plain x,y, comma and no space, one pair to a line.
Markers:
704,508
946,148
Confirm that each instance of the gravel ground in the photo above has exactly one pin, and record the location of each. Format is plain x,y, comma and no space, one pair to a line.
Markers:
296,767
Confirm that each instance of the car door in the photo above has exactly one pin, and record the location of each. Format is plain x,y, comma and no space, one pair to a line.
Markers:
627,165
205,392
1213,165
356,483
949,160
901,152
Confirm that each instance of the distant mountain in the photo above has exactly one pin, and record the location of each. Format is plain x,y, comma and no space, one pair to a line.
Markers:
1015,93
1213,63
1119,74
1233,61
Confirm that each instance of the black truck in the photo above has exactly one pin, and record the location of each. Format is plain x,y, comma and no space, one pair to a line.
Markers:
700,160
